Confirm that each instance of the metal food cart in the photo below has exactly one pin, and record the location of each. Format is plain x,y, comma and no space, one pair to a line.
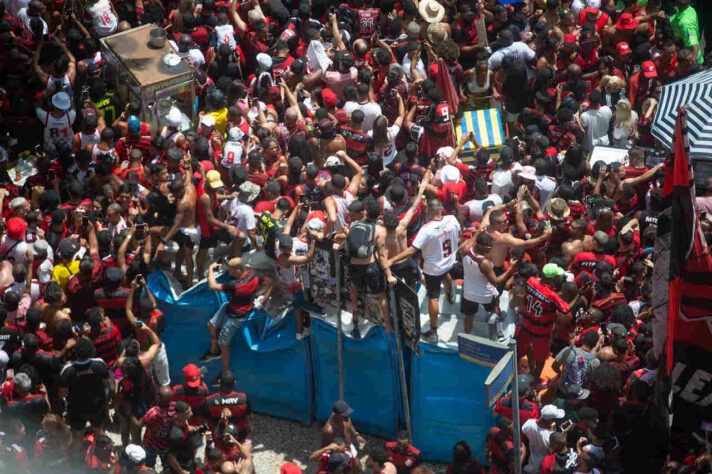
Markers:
142,75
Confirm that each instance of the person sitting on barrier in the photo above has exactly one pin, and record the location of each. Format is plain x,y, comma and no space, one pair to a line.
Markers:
241,290
291,255
340,425
402,454
438,241
479,285
368,262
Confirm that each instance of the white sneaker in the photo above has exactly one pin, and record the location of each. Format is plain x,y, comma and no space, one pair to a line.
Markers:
304,334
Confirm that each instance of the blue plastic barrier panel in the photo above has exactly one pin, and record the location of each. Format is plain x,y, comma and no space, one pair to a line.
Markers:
274,372
186,334
448,403
370,378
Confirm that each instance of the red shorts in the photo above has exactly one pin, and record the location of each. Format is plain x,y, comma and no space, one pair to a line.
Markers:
540,344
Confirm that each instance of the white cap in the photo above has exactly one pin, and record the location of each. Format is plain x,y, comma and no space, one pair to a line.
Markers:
135,453
174,117
449,174
528,172
264,60
315,224
445,152
594,3
550,412
207,121
4,359
18,202
235,134
40,247
62,101
332,161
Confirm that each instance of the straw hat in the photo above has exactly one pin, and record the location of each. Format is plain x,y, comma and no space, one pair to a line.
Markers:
437,33
431,11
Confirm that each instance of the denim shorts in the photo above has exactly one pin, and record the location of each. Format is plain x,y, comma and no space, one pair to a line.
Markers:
226,325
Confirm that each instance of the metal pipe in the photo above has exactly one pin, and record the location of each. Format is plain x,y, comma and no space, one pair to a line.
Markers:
401,364
339,336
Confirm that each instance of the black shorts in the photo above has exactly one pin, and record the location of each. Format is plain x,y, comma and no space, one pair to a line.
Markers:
369,276
96,416
498,271
432,284
407,270
183,240
469,308
219,235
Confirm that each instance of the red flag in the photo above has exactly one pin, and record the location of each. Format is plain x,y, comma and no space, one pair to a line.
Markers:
443,82
682,290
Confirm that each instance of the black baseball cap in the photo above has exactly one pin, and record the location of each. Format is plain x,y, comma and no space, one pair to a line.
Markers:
338,462
342,408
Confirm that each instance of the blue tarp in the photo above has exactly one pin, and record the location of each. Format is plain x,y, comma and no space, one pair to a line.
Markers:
370,383
276,372
447,403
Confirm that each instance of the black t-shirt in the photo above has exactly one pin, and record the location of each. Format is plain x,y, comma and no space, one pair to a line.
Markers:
85,381
184,445
46,364
10,338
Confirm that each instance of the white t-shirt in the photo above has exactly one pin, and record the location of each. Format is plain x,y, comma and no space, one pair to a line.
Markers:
241,216
516,50
438,241
226,35
16,252
502,180
596,122
193,56
418,67
538,443
232,154
115,229
370,110
24,22
545,186
389,153
621,138
103,20
475,206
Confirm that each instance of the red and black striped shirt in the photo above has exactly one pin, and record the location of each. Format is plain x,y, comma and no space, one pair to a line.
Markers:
124,146
107,342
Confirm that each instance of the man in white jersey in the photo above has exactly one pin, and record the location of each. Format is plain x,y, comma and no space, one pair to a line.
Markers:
479,284
232,152
337,205
58,122
225,32
103,17
241,214
438,241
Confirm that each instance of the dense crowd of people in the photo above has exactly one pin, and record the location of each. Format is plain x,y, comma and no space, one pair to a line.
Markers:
321,122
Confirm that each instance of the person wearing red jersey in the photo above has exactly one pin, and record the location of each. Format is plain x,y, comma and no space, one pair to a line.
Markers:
402,454
543,309
193,391
158,424
228,406
586,261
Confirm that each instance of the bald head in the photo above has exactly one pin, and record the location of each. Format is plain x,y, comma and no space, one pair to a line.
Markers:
360,47
164,395
573,71
228,467
291,116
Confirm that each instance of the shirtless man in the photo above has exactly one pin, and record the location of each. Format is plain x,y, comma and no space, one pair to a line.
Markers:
378,461
397,237
339,425
337,205
183,230
614,176
496,224
366,272
327,143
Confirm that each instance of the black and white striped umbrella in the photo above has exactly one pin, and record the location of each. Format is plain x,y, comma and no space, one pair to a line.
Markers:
694,93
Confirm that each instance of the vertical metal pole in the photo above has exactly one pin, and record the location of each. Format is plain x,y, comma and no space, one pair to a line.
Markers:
401,364
517,438
339,336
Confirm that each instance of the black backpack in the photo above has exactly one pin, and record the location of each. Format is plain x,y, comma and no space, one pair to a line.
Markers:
360,241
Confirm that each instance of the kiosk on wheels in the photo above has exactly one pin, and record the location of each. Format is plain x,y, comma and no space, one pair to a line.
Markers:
148,69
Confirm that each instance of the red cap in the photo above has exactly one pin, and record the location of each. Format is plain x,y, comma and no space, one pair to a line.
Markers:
623,48
289,468
341,115
591,10
570,41
551,151
329,98
192,375
648,68
433,70
16,228
626,22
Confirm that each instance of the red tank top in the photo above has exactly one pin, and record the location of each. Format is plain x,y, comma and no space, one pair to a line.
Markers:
205,229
